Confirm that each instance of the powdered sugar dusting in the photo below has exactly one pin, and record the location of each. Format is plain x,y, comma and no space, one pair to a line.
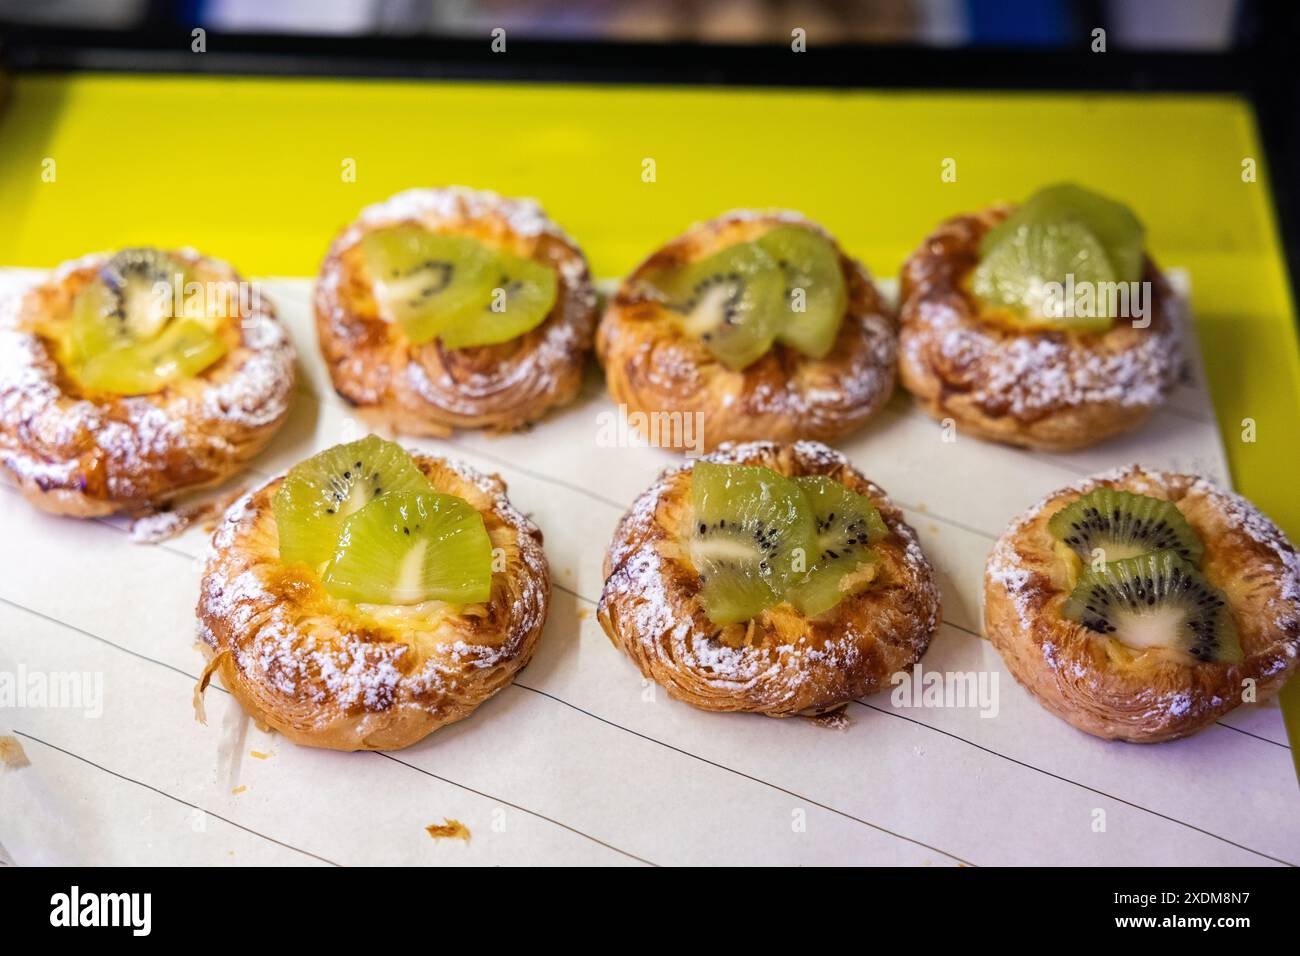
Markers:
525,217
1028,375
1245,517
257,394
1005,569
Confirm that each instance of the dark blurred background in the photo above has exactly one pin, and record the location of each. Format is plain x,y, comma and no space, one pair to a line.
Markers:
1187,25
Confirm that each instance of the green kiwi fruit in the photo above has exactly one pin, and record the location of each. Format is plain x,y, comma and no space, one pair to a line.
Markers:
125,303
1114,225
815,292
182,350
410,546
731,301
127,333
749,526
521,294
427,281
1015,272
847,524
1156,600
319,494
1124,525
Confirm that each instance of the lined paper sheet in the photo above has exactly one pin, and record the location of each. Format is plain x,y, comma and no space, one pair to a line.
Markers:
580,761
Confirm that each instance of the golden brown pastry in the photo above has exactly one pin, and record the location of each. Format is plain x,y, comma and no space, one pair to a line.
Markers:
1035,388
431,389
80,450
1151,688
653,366
780,662
329,672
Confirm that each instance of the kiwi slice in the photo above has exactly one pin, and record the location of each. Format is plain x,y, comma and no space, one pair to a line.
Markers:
1015,272
1114,225
521,293
319,494
182,350
815,291
848,524
1157,600
125,304
748,524
127,336
730,301
1124,525
410,546
424,280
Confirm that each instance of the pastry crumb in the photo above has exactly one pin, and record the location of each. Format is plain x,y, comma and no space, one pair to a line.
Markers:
156,525
448,830
12,755
238,790
833,720
261,756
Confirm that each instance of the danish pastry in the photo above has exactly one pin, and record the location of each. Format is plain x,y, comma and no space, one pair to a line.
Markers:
450,308
1142,605
758,324
369,597
1046,326
768,578
128,379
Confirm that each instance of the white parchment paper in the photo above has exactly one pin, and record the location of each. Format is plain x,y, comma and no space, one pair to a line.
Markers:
581,761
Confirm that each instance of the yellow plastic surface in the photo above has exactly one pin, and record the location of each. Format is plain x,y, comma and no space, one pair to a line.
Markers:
256,171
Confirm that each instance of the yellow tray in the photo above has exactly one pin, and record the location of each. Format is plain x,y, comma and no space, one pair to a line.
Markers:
256,171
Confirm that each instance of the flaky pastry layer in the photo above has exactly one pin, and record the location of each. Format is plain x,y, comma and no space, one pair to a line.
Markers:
1033,388
1108,690
652,366
431,390
780,663
329,673
79,453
